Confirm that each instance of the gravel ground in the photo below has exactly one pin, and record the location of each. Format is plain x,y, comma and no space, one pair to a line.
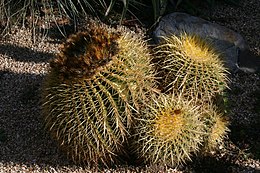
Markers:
26,147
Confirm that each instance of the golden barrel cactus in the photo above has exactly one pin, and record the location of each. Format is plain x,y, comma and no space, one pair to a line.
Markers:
169,131
216,124
190,65
93,89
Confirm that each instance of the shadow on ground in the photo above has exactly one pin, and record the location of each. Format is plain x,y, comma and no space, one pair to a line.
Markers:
22,135
210,164
24,54
245,131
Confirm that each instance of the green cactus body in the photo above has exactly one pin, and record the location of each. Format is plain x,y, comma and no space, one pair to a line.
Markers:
216,128
190,65
169,132
92,91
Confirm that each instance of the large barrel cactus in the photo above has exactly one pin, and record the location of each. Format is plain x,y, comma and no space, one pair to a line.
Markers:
92,91
189,65
169,131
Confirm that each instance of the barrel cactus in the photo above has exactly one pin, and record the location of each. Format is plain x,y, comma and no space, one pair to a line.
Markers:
93,90
216,127
189,65
169,131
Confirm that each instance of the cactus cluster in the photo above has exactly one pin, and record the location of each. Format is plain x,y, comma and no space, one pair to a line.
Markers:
101,92
191,74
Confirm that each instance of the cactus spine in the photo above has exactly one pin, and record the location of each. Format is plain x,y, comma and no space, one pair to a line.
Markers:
169,131
191,66
92,91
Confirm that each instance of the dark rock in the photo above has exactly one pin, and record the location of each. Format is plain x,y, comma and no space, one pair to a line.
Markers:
248,62
226,41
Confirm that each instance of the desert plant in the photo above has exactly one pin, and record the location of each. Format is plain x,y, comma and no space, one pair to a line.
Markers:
189,65
126,5
159,8
46,14
169,131
216,127
93,89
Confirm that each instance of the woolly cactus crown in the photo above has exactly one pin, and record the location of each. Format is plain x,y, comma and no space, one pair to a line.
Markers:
85,53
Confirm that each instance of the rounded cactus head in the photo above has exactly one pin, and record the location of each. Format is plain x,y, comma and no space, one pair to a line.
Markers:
85,53
93,89
216,128
190,65
169,132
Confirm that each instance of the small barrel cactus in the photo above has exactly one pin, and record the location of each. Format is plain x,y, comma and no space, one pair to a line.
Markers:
169,131
190,65
216,127
92,91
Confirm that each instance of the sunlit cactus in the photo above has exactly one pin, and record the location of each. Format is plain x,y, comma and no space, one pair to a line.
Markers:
93,89
169,131
189,65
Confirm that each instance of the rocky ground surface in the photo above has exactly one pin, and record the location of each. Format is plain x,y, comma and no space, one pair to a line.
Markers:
26,147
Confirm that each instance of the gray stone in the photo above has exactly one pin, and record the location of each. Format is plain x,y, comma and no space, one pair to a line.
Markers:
226,41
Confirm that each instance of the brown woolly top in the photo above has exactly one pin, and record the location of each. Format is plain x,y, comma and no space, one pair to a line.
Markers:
84,53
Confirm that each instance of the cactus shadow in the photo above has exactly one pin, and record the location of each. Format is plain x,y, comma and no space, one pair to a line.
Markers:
23,139
245,129
28,55
211,164
247,138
